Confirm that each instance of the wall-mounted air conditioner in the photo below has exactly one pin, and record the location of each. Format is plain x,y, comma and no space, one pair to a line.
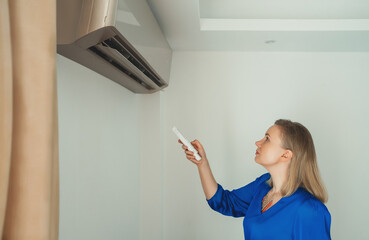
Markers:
121,40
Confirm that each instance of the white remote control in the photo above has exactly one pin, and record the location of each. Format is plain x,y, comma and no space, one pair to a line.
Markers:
186,143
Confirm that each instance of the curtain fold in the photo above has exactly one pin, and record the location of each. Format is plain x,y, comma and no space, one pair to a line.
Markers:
29,167
6,106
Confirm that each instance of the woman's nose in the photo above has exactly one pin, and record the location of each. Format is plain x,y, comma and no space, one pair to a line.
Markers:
257,143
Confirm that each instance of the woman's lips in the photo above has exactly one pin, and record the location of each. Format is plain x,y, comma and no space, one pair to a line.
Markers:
256,153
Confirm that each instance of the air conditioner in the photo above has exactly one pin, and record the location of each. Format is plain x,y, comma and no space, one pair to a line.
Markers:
121,40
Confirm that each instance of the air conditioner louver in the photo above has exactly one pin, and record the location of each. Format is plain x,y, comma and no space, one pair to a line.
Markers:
114,58
128,53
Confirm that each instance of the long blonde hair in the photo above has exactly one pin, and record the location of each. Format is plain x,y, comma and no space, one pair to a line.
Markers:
303,169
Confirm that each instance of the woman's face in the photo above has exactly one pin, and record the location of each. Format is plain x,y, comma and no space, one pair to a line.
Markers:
270,150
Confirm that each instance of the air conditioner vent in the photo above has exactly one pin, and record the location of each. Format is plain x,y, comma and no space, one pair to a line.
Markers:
119,66
127,52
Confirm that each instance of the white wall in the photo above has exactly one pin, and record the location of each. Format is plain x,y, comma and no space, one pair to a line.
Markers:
110,153
227,100
151,166
124,176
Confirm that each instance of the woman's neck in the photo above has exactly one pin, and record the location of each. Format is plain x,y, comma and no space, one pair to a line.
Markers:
279,178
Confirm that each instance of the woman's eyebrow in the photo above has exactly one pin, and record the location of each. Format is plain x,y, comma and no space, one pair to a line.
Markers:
267,134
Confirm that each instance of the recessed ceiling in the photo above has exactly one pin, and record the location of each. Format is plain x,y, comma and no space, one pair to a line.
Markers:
261,25
286,9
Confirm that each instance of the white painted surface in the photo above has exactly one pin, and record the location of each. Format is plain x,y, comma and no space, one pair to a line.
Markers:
181,24
99,156
227,100
124,176
216,24
284,9
111,152
151,167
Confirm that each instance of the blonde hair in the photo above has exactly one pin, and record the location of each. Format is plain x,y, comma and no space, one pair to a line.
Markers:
303,169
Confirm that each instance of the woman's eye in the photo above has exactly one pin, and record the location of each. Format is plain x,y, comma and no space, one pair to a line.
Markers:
266,139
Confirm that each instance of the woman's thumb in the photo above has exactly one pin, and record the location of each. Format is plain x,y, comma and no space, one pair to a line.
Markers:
197,145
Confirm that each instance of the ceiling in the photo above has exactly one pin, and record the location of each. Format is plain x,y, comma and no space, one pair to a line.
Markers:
264,25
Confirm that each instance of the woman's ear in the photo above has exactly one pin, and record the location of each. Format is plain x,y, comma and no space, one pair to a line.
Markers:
287,154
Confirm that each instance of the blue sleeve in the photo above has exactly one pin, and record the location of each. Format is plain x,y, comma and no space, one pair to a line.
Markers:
313,221
236,202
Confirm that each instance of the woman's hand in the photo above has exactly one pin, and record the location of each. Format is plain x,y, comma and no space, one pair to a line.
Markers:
190,155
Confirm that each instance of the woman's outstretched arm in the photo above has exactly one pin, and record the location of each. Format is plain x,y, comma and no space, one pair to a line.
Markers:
230,203
209,185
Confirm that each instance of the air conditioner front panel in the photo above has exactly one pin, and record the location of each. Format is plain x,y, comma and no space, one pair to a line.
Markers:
108,63
99,65
131,50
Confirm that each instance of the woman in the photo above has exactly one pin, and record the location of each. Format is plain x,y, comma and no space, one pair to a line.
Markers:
285,203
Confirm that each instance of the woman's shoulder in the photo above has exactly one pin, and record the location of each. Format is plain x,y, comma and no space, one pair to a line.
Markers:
263,177
309,204
259,181
312,218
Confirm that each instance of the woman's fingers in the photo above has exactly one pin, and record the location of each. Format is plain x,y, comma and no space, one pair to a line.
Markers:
183,146
194,161
189,154
198,145
200,149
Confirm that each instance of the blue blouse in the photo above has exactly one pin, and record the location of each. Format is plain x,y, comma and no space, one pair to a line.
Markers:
299,216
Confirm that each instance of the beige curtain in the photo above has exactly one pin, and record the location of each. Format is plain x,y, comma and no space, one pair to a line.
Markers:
29,167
